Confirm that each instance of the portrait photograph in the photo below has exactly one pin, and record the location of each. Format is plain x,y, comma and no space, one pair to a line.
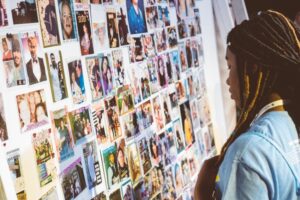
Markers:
161,40
134,73
48,19
171,138
119,68
153,78
172,36
162,71
183,57
99,122
182,29
95,77
136,16
123,26
145,115
56,75
152,17
67,20
22,11
136,53
163,16
204,111
107,73
3,13
76,81
114,127
158,113
3,127
187,125
33,56
100,37
112,28
122,160
111,167
155,150
148,45
143,146
125,100
127,191
177,127
178,177
175,62
84,32
62,134
32,110
144,80
133,162
130,126
181,91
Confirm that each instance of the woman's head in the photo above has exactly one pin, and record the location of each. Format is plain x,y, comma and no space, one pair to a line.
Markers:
262,54
121,158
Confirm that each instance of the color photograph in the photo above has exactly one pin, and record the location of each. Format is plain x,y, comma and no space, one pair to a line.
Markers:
84,32
67,20
23,11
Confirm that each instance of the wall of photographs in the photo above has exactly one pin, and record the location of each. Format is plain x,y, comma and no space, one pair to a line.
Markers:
106,99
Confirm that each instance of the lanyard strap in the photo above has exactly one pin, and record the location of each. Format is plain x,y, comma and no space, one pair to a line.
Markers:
268,107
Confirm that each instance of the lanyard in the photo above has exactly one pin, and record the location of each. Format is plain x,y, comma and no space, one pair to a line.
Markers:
268,107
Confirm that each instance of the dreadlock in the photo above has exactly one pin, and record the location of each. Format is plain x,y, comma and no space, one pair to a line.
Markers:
267,49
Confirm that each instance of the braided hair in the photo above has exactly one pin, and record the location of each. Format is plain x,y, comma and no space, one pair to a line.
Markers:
267,49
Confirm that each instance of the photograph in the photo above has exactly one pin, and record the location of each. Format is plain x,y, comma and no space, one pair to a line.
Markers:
178,178
33,57
188,53
158,113
165,149
191,24
193,161
148,45
100,39
144,79
3,127
136,52
114,128
175,62
32,110
3,13
162,71
72,180
166,106
106,69
191,88
80,123
14,69
127,191
182,29
111,167
84,32
122,160
134,73
134,163
130,126
200,147
16,172
177,127
95,77
50,195
152,17
62,134
208,139
153,78
145,115
168,189
150,2
163,16
56,75
195,113
204,111
180,91
187,125
140,191
123,26
197,20
182,57
48,22
172,37
92,165
67,20
143,146
197,58
125,99
23,11
136,16
100,196
155,150
44,156
168,64
99,122
186,177
161,40
120,77
76,81
113,28
171,138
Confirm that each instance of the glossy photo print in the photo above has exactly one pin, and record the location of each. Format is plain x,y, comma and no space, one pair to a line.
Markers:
84,32
23,12
136,16
67,20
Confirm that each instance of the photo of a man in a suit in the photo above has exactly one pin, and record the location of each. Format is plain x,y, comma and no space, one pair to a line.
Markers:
35,66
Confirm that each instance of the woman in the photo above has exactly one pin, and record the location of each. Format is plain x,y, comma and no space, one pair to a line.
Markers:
122,165
76,91
263,57
86,43
161,72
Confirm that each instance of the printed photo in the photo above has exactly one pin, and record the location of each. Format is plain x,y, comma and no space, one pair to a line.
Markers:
134,163
99,122
165,149
195,113
154,82
32,110
130,126
123,27
208,139
172,36
50,195
111,166
127,191
3,127
100,39
114,128
166,106
92,165
168,190
113,28
80,123
62,134
162,71
201,152
136,53
145,115
191,88
197,58
186,177
76,81
140,191
193,162
152,17
197,20
122,160
183,57
67,20
173,102
100,196
148,45
145,155
188,53
119,68
48,22
16,172
107,73
161,40
14,70
95,77
44,155
136,16
144,80
56,75
187,125
182,29
204,111
84,32
175,62
72,180
177,127
32,52
150,2
191,24
178,179
155,149
158,113
3,13
125,99
171,138
168,64
180,91
163,16
23,11
135,83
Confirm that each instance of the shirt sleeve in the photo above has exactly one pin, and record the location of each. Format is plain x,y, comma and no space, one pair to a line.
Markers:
246,184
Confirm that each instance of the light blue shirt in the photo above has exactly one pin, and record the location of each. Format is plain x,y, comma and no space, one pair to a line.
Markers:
254,169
